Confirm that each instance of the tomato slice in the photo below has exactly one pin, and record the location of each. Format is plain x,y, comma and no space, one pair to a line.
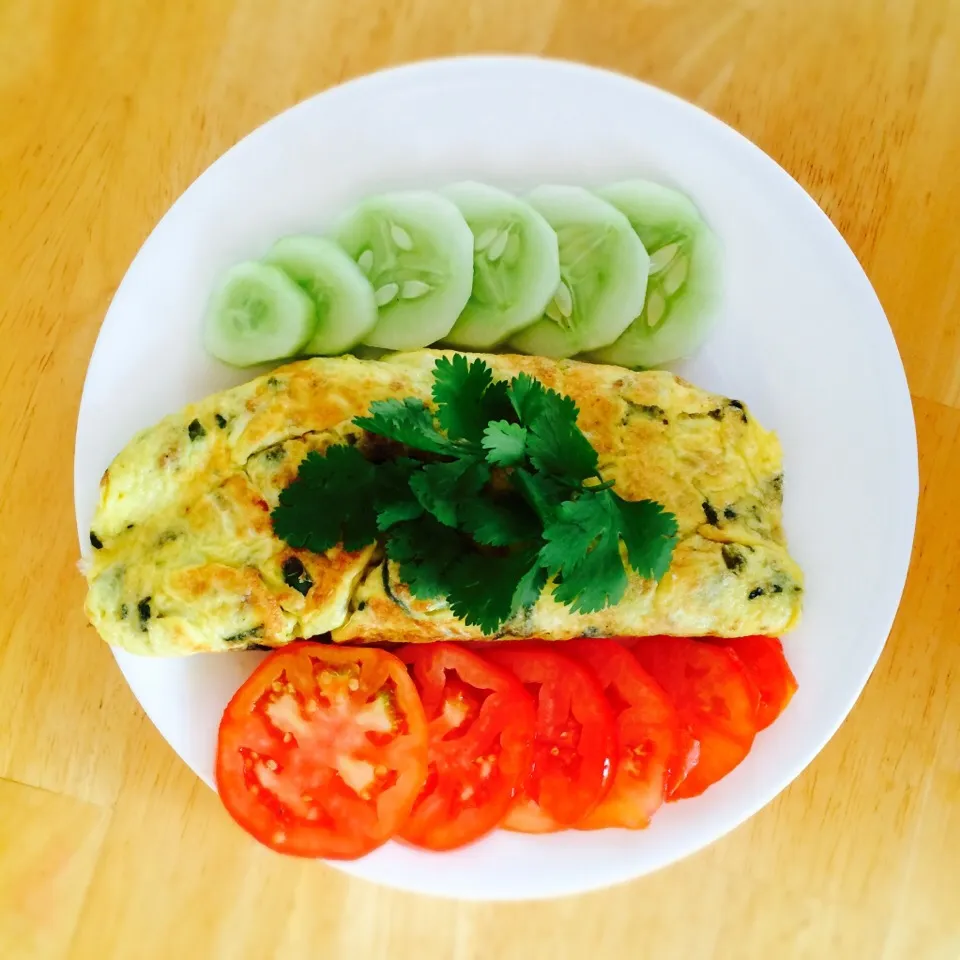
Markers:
656,751
481,724
768,668
323,750
713,695
574,742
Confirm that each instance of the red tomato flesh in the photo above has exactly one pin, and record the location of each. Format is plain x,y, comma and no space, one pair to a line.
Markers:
574,743
481,725
655,750
763,659
323,750
713,695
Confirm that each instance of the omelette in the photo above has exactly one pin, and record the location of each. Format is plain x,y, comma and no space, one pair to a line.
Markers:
184,557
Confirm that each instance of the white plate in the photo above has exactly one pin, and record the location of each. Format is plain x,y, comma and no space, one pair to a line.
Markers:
802,339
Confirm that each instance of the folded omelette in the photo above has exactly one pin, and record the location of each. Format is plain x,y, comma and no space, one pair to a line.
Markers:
185,559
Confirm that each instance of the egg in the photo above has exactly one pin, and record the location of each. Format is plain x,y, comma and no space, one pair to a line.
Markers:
185,558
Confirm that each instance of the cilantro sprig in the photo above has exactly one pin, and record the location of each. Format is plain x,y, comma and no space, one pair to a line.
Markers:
493,492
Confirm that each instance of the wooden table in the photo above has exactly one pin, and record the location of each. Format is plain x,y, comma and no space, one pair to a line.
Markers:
109,846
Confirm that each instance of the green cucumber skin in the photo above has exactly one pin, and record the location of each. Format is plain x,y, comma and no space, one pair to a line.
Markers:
284,317
600,296
493,315
662,216
417,251
342,296
516,265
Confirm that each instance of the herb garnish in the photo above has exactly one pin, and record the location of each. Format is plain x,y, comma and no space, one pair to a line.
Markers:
510,496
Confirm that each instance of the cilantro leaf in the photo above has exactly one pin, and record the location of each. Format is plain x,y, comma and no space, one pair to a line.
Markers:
521,389
467,398
583,549
532,400
541,492
393,499
458,389
441,487
561,449
574,530
437,520
496,402
482,589
558,446
498,523
531,584
505,443
650,535
554,443
306,517
409,422
597,581
424,551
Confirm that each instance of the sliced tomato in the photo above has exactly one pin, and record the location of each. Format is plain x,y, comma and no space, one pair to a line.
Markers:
713,695
656,751
574,745
768,668
481,724
323,750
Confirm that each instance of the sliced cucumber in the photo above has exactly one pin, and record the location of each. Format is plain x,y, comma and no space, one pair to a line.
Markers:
516,265
362,352
417,251
257,314
683,291
342,296
603,270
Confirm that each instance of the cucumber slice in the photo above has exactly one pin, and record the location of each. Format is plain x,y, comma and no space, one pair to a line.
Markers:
417,251
683,291
342,296
257,314
603,270
516,265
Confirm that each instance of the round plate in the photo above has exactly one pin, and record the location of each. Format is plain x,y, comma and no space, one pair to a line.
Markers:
802,339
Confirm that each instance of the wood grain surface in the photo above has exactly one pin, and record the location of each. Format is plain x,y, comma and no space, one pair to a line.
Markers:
109,847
